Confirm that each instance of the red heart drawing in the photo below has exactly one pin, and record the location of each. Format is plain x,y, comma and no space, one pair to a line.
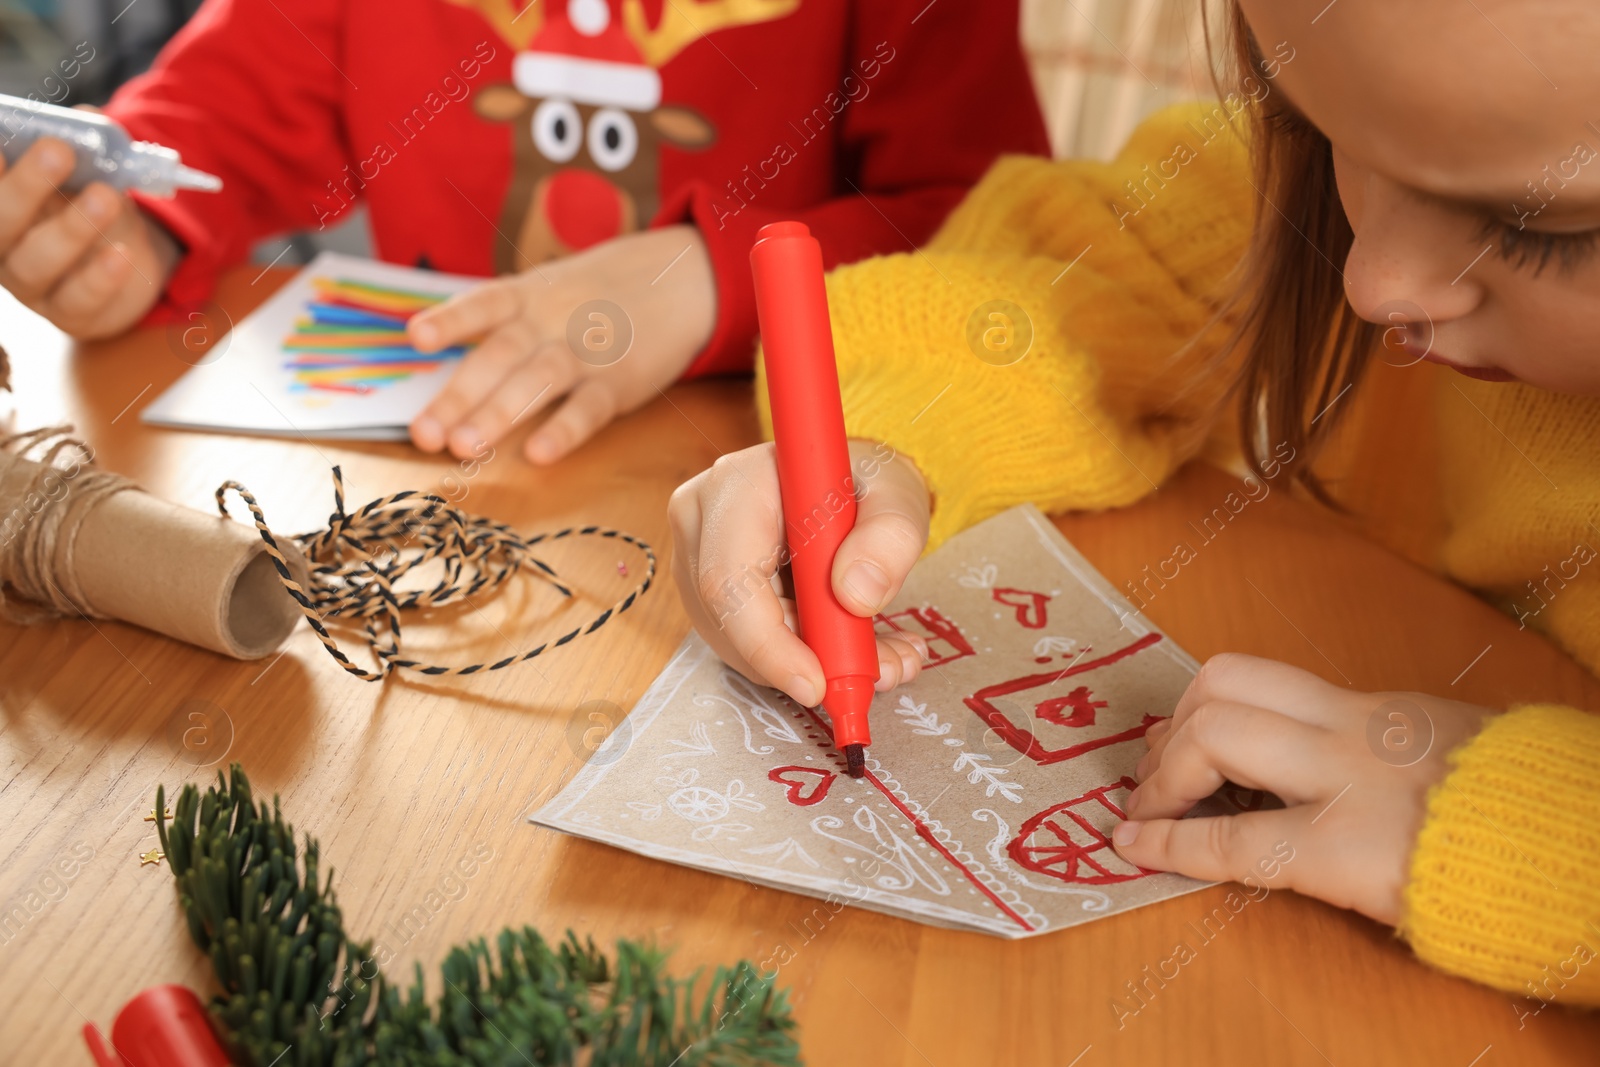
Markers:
1029,606
796,790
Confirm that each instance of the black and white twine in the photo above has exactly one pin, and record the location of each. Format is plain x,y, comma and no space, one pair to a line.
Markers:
357,562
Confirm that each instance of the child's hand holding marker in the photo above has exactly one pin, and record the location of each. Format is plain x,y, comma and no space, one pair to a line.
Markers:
91,263
728,525
607,329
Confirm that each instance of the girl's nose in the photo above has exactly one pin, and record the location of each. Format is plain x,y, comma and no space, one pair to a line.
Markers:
1413,260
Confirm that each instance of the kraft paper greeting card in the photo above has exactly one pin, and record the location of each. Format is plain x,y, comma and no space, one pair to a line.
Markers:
994,780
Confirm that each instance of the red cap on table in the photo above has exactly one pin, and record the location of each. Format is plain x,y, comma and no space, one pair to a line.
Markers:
164,1026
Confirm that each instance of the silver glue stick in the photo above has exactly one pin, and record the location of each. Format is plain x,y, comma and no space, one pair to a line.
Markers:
104,151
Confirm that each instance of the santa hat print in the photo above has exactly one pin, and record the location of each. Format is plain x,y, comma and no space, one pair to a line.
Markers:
583,55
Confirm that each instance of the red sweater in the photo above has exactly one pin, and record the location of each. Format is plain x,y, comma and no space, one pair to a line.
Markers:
486,135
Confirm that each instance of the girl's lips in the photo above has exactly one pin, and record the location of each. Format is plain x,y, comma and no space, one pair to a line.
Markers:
1483,374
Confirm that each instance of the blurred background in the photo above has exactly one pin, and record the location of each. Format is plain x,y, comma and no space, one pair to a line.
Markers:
1100,66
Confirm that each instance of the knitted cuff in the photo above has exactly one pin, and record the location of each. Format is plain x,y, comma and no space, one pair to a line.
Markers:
1505,879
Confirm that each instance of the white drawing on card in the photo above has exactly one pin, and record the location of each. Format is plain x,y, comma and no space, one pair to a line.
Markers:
1053,646
922,720
699,744
892,851
707,808
980,577
978,772
748,698
647,812
783,850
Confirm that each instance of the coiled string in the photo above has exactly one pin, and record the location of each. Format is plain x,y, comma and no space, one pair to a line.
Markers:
360,558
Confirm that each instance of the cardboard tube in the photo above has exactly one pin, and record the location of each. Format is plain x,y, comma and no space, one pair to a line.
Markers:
203,579
200,578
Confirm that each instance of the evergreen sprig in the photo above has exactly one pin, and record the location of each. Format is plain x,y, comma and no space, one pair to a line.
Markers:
298,992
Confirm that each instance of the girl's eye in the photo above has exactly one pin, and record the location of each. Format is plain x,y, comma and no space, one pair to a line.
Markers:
1522,248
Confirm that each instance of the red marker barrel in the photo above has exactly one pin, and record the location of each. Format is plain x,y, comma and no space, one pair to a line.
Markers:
814,475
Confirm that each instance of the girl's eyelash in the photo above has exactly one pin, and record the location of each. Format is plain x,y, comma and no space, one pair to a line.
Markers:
1522,248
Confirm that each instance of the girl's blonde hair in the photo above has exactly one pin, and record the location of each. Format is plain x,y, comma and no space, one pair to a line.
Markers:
1302,344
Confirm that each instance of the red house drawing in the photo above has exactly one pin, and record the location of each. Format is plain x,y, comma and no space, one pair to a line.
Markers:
1076,710
945,641
1072,840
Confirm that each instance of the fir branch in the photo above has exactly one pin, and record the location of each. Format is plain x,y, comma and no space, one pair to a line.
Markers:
296,990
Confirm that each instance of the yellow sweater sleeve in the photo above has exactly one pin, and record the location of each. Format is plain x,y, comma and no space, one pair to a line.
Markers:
1043,347
1505,878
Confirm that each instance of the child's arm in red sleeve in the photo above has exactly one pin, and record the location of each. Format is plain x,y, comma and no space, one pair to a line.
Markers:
249,92
943,91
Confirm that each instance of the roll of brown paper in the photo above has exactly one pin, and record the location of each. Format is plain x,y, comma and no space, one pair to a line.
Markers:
75,539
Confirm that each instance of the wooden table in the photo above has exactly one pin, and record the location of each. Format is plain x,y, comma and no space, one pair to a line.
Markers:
403,780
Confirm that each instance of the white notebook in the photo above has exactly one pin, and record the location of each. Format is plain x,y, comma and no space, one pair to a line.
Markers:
248,387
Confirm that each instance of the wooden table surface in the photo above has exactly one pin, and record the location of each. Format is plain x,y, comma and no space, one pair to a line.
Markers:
403,780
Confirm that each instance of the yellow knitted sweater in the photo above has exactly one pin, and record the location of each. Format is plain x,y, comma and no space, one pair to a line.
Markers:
1099,276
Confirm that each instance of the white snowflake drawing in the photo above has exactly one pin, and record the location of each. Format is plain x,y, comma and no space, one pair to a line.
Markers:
707,808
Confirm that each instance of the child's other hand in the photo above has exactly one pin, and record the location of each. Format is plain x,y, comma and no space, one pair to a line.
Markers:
728,526
1353,768
92,263
660,281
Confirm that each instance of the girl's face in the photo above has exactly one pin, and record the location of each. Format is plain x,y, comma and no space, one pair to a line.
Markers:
1466,141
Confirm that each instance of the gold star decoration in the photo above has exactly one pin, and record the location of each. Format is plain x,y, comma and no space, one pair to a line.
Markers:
154,856
166,814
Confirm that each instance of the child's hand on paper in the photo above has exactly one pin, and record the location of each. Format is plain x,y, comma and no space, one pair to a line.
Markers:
92,263
606,329
730,556
1353,768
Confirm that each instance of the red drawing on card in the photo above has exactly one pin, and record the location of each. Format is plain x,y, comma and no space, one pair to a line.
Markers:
945,641
1080,700
1021,738
932,841
1030,606
820,782
1072,840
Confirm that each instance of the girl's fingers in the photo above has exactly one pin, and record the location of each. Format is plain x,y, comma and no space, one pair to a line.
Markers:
899,661
467,315
890,533
535,383
28,187
730,521
1264,683
1222,849
587,409
1219,742
87,289
48,251
483,369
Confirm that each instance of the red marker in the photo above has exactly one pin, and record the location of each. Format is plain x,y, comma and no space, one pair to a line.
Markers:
819,503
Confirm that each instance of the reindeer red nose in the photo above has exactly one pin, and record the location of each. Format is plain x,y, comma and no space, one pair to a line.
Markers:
583,208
